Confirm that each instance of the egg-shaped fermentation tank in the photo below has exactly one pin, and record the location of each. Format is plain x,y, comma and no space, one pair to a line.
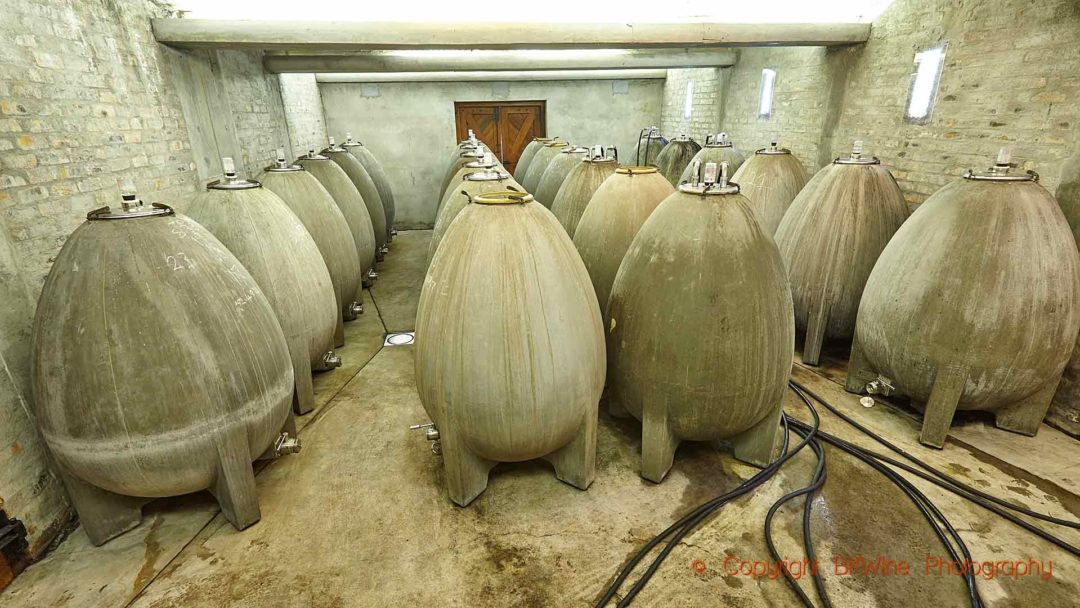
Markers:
159,368
560,166
369,193
527,155
717,149
273,245
700,330
482,180
648,147
973,305
322,218
612,219
830,238
675,157
540,163
771,179
509,347
378,173
351,204
581,184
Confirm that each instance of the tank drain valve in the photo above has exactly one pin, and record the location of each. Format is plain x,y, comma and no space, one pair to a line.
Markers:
385,249
286,444
331,360
372,275
356,308
431,433
880,386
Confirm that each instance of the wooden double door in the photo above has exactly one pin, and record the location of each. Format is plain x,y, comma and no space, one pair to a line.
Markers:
506,127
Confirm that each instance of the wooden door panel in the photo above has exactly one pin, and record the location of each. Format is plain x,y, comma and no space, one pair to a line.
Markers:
504,127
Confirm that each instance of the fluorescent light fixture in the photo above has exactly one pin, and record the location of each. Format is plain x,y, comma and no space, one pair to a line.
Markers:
924,84
500,54
765,96
688,103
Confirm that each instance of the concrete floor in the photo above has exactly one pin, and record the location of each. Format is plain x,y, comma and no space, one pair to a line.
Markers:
360,518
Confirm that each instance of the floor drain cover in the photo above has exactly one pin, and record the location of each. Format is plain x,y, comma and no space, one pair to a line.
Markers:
399,338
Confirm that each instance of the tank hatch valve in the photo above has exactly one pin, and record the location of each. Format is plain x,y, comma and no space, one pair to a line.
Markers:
331,360
286,444
880,386
710,174
281,162
128,195
856,150
431,433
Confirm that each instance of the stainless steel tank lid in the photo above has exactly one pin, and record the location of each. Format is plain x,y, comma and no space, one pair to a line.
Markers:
636,170
504,197
856,157
487,176
682,138
600,154
718,140
283,167
556,144
575,150
1000,171
714,181
773,149
544,139
131,208
472,154
333,148
234,183
311,155
350,142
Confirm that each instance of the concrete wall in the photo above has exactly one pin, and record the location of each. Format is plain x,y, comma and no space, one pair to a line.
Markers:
410,126
86,98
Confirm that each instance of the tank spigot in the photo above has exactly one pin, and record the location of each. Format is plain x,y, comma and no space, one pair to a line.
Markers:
286,444
384,250
393,232
431,433
128,196
710,174
856,150
331,360
280,160
356,308
372,275
880,386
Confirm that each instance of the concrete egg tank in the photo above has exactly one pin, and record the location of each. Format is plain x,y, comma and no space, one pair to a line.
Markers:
648,147
675,157
973,305
463,157
830,238
527,155
323,220
771,179
700,328
273,245
540,163
369,193
352,206
159,369
480,181
560,166
378,175
581,184
612,219
509,346
717,149
487,162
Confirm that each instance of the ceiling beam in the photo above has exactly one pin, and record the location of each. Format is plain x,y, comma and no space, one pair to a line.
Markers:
366,36
473,61
494,76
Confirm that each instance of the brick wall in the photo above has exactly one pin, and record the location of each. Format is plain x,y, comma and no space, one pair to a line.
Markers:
88,97
304,113
706,107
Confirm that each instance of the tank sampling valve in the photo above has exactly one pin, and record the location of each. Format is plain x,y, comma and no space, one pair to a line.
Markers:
431,433
286,444
384,250
281,162
356,308
372,275
880,386
331,360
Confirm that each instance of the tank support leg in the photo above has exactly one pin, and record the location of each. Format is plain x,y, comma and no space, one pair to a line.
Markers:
1026,415
575,463
859,373
658,443
234,487
303,390
816,322
466,473
102,514
760,445
941,407
339,332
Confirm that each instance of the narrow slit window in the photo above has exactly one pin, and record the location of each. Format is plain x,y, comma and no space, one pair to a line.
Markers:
765,96
688,103
924,84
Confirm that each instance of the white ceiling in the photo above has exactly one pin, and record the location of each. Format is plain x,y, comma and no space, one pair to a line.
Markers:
545,11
